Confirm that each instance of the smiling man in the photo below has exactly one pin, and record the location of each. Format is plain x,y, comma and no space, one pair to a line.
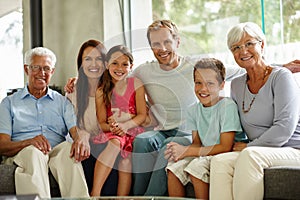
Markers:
33,124
169,85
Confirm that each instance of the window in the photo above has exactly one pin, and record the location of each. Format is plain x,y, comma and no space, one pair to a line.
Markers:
204,25
11,51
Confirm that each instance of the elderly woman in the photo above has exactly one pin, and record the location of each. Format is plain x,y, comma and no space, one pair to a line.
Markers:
268,100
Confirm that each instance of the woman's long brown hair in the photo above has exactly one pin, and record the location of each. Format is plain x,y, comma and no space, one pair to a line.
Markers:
82,86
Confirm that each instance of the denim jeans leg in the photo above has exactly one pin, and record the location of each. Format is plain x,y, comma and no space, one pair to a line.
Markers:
145,149
158,185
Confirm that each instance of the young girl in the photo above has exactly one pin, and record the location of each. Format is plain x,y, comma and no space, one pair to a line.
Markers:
121,109
214,122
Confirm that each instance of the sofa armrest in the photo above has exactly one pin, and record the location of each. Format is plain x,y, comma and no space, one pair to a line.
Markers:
282,182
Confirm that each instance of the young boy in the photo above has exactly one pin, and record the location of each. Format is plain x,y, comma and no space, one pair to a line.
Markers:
215,124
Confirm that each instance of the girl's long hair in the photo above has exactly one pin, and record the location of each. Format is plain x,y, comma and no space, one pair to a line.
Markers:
106,82
82,86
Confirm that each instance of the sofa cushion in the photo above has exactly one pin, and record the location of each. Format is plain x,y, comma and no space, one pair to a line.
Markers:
189,190
7,183
279,183
282,183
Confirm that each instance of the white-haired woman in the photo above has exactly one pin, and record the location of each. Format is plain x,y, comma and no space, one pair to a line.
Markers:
268,102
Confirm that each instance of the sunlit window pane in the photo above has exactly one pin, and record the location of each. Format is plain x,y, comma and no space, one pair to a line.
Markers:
11,46
204,25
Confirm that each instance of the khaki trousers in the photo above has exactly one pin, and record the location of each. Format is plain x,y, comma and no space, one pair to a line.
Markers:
31,176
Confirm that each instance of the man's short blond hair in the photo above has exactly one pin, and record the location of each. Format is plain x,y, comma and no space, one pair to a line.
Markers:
158,24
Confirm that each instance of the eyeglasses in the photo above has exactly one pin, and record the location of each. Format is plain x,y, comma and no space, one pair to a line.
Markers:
37,68
248,45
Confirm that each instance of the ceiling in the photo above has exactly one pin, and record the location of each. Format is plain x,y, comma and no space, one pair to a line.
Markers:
7,6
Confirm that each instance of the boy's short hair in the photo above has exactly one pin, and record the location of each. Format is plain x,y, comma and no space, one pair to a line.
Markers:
214,64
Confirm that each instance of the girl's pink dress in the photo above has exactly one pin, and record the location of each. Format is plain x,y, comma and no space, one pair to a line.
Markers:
125,103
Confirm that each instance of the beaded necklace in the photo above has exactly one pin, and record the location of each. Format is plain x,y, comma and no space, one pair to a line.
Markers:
252,101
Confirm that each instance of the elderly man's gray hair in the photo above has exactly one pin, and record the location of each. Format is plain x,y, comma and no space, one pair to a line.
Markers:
39,51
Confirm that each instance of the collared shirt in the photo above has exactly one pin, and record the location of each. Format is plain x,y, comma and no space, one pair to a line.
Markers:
23,116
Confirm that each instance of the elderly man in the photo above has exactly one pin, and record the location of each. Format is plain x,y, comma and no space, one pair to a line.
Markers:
33,124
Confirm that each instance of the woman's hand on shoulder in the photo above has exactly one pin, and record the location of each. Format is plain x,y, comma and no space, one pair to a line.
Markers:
293,66
70,85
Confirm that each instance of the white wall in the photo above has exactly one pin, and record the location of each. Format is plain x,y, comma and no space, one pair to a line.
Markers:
68,23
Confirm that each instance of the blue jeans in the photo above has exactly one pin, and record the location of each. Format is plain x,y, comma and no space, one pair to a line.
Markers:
148,162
